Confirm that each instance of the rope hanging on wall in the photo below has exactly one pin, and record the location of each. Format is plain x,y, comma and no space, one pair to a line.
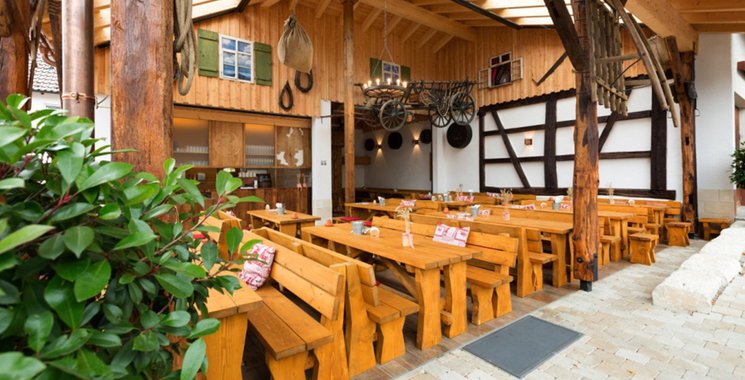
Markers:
286,93
299,81
185,43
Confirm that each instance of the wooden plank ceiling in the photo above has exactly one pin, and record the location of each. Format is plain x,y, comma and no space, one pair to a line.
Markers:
437,22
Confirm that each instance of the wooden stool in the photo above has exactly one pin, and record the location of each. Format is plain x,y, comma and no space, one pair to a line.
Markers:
642,248
677,233
709,226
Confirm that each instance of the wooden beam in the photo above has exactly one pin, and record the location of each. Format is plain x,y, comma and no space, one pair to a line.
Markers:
611,121
392,24
409,32
349,174
426,37
321,8
716,18
269,3
663,19
549,147
370,19
77,58
487,13
422,16
722,28
567,33
142,83
658,161
695,6
551,69
441,43
510,151
14,50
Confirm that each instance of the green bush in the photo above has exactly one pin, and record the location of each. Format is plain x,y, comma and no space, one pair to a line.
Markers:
99,272
738,167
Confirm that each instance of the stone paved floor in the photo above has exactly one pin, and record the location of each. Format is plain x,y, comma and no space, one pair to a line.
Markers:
625,336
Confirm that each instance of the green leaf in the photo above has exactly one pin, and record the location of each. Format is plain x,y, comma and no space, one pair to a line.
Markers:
10,134
64,345
187,269
177,318
23,236
70,211
37,327
91,365
9,294
11,183
8,260
250,198
53,247
193,359
191,189
16,100
60,296
18,367
168,165
78,238
149,319
6,317
226,183
106,173
177,285
135,240
146,341
209,255
234,237
157,211
70,162
249,244
112,312
105,339
110,211
71,268
138,194
204,327
92,281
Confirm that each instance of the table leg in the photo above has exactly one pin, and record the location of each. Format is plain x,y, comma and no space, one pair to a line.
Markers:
559,248
225,348
429,332
455,299
288,229
256,222
625,237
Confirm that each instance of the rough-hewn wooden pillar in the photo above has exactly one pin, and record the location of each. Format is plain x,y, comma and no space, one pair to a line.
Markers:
585,234
682,65
77,93
142,81
349,180
14,21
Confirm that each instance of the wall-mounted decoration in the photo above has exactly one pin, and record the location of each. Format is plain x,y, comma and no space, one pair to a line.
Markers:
426,136
503,69
395,140
294,48
459,136
285,97
304,88
370,145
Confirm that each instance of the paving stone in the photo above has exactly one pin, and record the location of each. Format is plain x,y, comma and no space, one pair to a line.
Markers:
633,356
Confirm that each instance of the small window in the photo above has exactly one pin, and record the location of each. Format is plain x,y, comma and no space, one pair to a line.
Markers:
391,71
236,59
500,70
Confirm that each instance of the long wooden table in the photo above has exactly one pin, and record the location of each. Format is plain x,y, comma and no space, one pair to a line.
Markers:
366,210
284,223
427,259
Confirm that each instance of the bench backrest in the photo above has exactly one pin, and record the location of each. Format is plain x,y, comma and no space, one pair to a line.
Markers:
427,205
484,200
538,214
221,238
318,286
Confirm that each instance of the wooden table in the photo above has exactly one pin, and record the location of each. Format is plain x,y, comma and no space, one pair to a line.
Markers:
426,259
225,346
366,210
283,223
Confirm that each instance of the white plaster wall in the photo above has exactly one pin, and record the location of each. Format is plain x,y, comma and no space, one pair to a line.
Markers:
404,168
453,167
322,204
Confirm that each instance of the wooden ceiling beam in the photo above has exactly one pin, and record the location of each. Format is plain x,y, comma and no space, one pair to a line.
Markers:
422,16
503,4
486,13
720,28
716,18
321,8
426,37
392,24
663,19
410,32
441,43
370,19
696,6
269,3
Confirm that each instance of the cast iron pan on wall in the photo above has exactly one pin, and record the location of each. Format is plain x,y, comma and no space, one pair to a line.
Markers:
426,136
369,145
459,136
395,140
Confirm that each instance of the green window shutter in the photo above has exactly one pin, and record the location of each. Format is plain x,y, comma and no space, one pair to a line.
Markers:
263,64
209,53
405,73
376,69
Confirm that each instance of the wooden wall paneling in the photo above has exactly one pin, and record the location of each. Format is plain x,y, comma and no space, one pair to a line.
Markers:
225,140
549,147
513,157
658,161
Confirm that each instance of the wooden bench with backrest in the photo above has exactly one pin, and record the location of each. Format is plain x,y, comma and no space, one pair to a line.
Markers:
644,222
488,275
424,206
293,340
369,308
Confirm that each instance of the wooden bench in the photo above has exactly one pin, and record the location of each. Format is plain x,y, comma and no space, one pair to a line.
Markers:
289,334
677,233
369,307
488,275
713,226
223,224
642,248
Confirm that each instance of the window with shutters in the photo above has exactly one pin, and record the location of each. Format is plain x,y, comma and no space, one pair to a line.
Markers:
236,59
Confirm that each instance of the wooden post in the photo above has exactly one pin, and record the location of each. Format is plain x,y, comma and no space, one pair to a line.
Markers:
77,58
585,233
14,49
142,82
349,182
682,65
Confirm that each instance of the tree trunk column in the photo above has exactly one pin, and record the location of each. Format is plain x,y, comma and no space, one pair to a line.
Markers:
585,233
349,180
78,96
142,82
14,19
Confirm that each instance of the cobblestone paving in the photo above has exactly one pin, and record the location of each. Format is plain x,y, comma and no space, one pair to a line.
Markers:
625,336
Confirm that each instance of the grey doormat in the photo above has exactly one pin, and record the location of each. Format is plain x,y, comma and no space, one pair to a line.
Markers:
523,345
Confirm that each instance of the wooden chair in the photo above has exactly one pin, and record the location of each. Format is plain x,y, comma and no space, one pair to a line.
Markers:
677,233
713,226
642,248
488,275
610,242
290,335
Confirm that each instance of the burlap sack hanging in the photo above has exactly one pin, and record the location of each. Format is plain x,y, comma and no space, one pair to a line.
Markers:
295,48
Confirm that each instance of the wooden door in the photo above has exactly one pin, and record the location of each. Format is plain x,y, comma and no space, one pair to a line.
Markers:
226,144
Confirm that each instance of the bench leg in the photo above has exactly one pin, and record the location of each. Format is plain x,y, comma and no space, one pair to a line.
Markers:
707,232
359,339
502,301
616,251
537,269
331,360
390,344
483,310
455,299
225,348
290,368
606,253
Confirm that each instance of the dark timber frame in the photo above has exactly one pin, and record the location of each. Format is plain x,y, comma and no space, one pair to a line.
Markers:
657,154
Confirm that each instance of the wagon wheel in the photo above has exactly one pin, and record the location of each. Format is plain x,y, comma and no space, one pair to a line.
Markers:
392,115
462,108
437,119
370,117
425,97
